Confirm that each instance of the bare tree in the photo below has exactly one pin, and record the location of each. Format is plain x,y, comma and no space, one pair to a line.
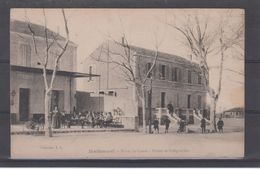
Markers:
51,41
130,69
230,37
201,41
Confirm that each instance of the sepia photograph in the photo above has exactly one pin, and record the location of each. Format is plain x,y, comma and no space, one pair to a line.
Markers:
111,83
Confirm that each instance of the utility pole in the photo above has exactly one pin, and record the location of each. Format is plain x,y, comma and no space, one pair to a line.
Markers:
150,105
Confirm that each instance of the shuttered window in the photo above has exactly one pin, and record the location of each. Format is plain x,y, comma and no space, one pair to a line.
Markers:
162,72
176,74
189,76
199,102
199,79
25,54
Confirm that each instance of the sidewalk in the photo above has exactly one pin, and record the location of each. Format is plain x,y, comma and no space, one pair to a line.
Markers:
21,129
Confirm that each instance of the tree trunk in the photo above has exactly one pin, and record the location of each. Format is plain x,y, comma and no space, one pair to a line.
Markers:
143,107
48,129
214,115
135,98
216,97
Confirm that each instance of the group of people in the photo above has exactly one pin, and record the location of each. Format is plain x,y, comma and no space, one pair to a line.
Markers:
57,118
62,120
156,124
220,125
182,125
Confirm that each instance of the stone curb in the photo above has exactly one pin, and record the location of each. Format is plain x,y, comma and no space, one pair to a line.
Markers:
70,131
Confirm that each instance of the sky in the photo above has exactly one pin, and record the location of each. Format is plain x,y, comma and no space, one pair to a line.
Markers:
142,27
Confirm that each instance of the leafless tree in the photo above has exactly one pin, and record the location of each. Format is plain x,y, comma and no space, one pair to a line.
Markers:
51,41
130,69
202,42
230,37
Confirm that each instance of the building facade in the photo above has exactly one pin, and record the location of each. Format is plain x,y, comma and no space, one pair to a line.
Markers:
175,80
27,84
237,112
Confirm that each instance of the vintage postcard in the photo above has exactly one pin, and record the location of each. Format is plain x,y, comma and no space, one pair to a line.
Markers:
127,83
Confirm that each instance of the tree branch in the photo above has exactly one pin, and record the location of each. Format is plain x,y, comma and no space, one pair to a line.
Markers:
62,51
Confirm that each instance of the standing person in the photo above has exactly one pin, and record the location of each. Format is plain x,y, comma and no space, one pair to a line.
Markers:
170,109
82,120
203,125
63,120
167,124
58,122
182,126
54,117
220,125
156,125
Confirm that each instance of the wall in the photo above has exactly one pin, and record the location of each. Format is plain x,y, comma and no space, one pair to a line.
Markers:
67,61
112,78
86,102
35,83
176,91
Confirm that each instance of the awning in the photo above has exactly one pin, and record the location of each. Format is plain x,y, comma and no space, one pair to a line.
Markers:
59,72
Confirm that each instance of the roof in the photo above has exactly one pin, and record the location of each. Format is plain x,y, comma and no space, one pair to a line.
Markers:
235,109
59,72
39,30
148,52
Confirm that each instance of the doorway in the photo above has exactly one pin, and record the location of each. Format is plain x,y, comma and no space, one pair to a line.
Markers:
188,101
57,99
163,94
24,99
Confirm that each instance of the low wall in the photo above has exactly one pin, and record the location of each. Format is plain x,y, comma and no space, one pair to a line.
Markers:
130,122
234,124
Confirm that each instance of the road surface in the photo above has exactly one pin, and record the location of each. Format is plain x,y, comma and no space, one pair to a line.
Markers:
129,145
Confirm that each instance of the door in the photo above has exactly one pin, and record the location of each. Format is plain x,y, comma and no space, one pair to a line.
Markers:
163,100
188,101
24,104
57,99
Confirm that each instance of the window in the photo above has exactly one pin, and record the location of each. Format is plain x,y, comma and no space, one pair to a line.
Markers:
199,79
102,92
162,72
188,101
148,67
199,102
25,54
189,76
111,93
149,98
179,75
163,99
174,74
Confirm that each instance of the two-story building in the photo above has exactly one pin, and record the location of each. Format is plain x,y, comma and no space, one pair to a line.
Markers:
175,81
27,84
